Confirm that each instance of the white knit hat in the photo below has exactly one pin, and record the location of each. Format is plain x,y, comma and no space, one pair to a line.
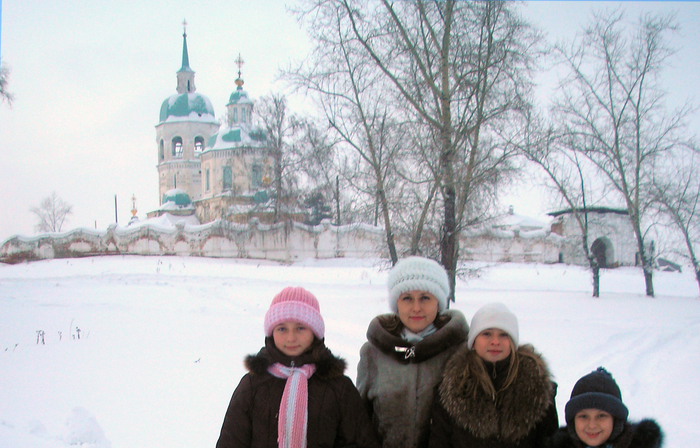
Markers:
418,274
493,315
298,305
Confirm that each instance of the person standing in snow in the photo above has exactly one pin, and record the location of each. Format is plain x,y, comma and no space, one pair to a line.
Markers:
596,416
494,393
295,394
406,351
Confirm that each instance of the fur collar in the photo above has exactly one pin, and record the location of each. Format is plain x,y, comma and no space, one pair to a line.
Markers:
513,413
451,333
645,434
328,366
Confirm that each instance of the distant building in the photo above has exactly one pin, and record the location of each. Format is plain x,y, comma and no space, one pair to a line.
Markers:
226,169
610,236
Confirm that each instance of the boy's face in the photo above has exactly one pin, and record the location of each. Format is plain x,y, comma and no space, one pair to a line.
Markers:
593,426
417,310
292,338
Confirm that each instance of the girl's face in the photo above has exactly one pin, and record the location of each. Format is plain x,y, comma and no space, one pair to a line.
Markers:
417,310
593,426
292,338
493,345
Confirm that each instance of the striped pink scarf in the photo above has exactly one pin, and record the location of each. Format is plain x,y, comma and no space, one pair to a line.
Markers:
294,412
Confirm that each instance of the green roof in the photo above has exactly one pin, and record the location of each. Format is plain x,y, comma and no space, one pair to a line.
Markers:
184,104
178,196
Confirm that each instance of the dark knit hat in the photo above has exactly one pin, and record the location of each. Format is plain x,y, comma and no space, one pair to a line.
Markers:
597,390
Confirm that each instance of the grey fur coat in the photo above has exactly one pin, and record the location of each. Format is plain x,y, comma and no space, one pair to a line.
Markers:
397,378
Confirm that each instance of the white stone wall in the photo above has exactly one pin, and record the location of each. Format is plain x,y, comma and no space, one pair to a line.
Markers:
287,242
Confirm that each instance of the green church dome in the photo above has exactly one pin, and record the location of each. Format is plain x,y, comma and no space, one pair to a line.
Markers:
187,107
178,197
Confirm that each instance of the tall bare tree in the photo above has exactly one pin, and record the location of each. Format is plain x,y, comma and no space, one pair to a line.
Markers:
612,110
51,213
676,193
280,128
459,69
565,169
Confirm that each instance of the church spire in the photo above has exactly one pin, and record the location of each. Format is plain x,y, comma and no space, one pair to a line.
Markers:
185,76
185,56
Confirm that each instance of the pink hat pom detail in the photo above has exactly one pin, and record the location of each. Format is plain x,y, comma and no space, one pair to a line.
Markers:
298,305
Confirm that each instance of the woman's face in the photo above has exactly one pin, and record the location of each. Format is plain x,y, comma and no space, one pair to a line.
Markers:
492,345
292,338
417,310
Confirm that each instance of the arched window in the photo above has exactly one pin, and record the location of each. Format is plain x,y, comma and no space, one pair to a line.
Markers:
177,147
161,150
198,145
243,115
206,179
234,115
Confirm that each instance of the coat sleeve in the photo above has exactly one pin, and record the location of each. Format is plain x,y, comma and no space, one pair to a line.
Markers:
237,427
441,425
355,428
364,378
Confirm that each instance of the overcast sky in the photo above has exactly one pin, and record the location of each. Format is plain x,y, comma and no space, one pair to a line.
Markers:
89,77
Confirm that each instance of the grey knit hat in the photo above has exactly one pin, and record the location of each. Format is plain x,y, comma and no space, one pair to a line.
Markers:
418,274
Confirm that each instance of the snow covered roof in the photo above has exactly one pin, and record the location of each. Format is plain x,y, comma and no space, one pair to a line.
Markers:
177,197
187,107
237,136
239,97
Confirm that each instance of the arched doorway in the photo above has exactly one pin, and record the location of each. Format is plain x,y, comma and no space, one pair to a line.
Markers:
603,252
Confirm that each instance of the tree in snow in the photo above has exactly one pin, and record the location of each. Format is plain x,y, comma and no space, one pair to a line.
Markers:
676,195
51,214
610,107
457,74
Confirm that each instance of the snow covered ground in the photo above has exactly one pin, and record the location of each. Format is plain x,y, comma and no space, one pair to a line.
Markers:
162,340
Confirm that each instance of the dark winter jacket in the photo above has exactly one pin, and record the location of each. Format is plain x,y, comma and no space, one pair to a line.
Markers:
522,415
397,378
337,417
645,434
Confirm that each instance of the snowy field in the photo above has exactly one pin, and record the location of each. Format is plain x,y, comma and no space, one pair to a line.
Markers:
162,340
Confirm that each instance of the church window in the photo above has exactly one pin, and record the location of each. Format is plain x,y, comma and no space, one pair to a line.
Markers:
228,178
243,116
257,176
161,150
175,180
206,179
198,145
177,147
234,115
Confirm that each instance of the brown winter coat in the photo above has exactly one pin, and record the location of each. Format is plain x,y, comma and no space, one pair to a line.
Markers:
522,415
397,378
337,417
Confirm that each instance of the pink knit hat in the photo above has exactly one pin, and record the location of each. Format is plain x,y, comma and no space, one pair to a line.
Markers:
298,305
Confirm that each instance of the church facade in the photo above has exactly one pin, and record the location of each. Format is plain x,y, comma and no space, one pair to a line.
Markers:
225,166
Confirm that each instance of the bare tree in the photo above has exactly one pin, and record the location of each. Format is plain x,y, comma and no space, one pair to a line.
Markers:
565,169
51,214
458,70
5,95
612,111
676,193
280,128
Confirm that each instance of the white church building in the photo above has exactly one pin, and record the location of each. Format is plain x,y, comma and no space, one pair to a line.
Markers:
224,169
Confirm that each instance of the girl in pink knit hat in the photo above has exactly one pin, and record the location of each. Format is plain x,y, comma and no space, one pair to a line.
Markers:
295,394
